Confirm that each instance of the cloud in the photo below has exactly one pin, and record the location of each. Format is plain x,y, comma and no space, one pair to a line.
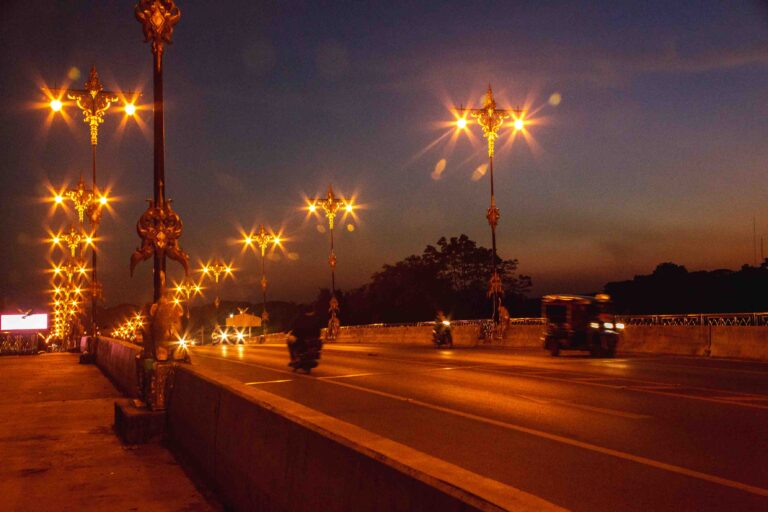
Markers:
553,62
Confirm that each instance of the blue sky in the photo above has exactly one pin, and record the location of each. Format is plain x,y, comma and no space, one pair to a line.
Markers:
654,153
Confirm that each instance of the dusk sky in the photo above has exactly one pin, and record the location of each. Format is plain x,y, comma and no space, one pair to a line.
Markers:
647,135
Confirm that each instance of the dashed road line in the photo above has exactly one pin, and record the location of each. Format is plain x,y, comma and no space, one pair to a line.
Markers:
266,382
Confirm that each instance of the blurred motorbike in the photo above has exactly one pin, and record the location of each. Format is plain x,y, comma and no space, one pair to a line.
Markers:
441,334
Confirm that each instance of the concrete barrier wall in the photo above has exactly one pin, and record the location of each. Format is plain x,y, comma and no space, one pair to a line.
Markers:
262,452
740,342
749,342
688,340
463,335
117,360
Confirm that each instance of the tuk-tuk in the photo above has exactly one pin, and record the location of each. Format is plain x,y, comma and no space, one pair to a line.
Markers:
577,322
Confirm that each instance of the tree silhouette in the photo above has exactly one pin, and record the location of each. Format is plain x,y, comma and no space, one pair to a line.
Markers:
451,275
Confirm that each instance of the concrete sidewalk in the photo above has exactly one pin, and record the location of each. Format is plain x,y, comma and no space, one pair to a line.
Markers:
58,450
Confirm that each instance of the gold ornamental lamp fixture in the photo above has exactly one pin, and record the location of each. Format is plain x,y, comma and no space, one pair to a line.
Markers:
73,239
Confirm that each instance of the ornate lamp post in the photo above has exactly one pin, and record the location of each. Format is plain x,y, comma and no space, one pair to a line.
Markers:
217,269
186,290
263,240
159,227
331,205
491,119
94,102
66,294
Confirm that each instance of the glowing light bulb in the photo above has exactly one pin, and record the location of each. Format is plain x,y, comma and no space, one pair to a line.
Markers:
103,200
312,208
519,124
56,104
130,109
58,199
461,123
349,208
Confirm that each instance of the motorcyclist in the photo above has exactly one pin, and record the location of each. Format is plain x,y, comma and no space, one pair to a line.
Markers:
442,329
305,331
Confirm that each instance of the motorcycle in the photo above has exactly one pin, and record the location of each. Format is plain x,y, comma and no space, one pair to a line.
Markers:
441,335
307,357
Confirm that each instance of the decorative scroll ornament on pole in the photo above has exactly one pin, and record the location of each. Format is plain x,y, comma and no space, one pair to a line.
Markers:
81,198
157,18
160,228
94,101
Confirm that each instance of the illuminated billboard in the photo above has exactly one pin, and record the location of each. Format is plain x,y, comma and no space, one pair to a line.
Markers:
36,322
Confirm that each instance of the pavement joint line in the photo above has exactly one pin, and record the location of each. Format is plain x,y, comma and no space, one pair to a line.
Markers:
266,382
752,489
642,388
756,398
612,412
660,364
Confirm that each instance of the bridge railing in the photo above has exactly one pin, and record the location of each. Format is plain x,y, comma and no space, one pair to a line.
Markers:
721,319
512,321
19,344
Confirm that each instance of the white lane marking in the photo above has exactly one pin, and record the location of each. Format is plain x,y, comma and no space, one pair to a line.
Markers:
759,491
266,382
350,375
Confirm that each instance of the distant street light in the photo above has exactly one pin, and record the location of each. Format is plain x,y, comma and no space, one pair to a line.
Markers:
216,270
331,205
187,290
263,240
491,120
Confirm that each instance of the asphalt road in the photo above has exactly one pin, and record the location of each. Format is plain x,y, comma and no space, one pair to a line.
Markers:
624,434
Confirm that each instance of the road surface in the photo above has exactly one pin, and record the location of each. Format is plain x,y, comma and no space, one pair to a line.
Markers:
629,434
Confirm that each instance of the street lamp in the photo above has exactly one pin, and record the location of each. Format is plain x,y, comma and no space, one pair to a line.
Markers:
73,239
187,290
263,240
331,205
159,227
216,270
94,102
491,120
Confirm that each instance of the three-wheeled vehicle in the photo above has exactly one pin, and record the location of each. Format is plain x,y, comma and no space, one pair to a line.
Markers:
577,322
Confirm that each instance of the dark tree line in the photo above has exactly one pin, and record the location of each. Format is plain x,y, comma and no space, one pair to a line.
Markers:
451,275
672,289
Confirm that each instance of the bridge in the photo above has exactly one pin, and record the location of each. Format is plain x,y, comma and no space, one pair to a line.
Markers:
388,422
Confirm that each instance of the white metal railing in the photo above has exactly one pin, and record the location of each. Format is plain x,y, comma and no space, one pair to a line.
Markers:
722,319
